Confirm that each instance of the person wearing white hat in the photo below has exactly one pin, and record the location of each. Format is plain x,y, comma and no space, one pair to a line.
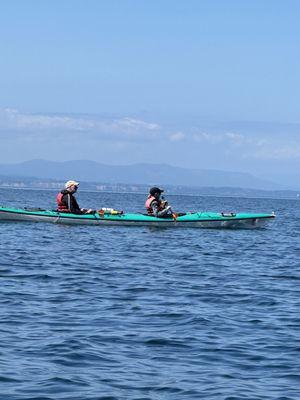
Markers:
66,201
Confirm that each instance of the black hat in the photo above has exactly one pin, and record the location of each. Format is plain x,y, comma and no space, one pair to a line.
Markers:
154,190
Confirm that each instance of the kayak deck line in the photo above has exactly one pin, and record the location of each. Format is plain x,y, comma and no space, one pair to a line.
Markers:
198,219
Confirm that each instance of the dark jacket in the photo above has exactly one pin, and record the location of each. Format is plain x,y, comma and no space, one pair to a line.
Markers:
70,202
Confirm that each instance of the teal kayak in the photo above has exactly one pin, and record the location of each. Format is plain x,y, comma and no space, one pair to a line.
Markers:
189,220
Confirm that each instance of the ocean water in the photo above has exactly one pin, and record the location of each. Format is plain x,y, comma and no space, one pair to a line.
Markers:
137,313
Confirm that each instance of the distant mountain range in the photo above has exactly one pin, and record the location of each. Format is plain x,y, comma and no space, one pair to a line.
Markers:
149,174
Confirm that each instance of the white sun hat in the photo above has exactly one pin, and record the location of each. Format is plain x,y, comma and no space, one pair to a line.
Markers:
71,183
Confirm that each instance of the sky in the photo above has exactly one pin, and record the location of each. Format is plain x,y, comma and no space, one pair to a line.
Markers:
199,84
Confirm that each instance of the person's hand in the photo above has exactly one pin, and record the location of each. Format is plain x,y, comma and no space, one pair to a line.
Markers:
87,211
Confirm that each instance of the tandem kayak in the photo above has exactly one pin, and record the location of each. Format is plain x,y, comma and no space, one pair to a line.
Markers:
189,220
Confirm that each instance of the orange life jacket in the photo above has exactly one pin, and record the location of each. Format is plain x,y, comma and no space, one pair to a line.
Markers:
60,205
148,203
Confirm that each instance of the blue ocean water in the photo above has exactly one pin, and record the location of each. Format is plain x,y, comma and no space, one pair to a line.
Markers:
137,313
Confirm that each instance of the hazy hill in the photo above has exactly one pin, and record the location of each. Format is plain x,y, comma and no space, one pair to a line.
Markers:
150,174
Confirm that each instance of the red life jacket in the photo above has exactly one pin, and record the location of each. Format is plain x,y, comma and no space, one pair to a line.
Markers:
149,202
60,205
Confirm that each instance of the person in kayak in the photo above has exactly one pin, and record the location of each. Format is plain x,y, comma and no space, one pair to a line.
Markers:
66,201
155,205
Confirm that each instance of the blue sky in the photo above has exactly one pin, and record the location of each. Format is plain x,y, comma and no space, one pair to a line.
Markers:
202,84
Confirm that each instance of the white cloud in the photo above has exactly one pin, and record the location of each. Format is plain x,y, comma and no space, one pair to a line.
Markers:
17,123
177,136
252,146
214,138
14,120
279,152
122,132
235,138
136,124
207,137
231,138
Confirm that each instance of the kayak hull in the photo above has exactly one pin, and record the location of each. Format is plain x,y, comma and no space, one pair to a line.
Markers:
190,220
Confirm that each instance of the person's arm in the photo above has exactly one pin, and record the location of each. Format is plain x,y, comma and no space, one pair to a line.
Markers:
73,205
156,212
75,209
